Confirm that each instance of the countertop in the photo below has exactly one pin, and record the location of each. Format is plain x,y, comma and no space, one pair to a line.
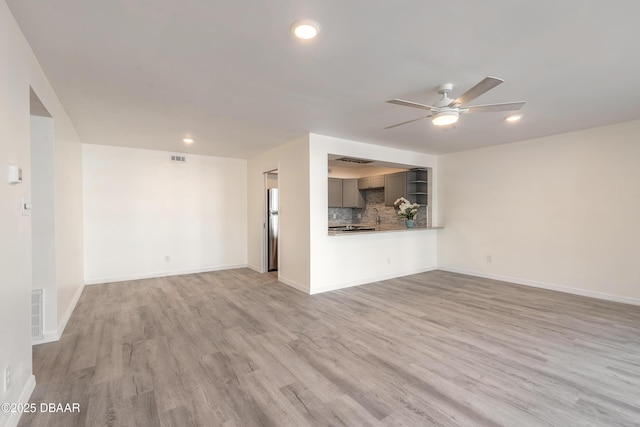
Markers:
380,228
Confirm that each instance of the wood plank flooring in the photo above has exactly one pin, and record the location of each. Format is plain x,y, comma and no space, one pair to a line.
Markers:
237,348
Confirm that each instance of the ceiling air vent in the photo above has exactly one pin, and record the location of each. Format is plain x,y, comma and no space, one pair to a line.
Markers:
178,159
354,160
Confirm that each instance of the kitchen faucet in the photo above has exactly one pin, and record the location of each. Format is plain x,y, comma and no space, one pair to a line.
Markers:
377,215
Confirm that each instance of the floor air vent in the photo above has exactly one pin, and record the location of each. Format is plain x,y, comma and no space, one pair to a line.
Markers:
37,324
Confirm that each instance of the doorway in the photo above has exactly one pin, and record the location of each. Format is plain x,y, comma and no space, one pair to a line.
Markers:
44,307
271,221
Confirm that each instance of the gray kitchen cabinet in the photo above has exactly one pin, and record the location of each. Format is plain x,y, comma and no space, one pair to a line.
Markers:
364,183
351,195
335,193
395,186
368,182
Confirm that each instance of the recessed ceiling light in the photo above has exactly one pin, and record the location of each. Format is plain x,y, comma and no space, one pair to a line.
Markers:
513,118
305,29
187,140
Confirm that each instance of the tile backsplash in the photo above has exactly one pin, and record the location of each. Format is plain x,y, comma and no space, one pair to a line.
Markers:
375,199
343,215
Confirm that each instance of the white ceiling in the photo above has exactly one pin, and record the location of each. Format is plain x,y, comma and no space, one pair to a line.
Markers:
145,73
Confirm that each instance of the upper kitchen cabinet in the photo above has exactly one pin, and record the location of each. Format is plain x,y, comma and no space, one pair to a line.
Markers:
417,186
335,193
364,183
370,182
351,195
395,186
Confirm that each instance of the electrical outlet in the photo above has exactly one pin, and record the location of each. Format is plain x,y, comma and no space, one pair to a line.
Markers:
167,258
359,216
7,378
388,260
335,216
489,258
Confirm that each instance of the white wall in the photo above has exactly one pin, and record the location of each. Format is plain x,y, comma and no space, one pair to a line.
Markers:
140,207
292,161
69,239
18,71
43,219
341,261
559,212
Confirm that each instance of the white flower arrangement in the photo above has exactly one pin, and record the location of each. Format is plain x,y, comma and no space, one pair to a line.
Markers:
406,209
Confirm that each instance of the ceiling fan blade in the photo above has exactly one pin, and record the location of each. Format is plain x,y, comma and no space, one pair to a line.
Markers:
410,104
485,85
407,122
487,108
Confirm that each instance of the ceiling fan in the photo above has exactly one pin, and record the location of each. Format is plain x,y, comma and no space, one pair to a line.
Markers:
446,111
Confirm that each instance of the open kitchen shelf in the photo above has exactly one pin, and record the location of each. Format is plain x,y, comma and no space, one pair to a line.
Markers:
417,186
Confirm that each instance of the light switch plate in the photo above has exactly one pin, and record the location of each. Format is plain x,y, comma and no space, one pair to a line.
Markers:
26,206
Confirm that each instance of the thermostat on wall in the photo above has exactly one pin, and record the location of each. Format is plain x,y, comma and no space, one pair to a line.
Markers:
15,174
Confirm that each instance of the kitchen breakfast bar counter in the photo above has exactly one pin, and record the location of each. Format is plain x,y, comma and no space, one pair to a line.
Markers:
338,230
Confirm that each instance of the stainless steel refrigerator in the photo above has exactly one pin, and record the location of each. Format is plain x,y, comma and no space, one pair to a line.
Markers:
272,229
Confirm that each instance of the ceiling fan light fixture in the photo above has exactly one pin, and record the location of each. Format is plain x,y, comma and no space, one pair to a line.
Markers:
444,118
305,29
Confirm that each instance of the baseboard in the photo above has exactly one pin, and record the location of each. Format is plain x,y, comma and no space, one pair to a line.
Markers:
359,282
14,418
51,336
548,286
254,268
127,278
298,286
48,336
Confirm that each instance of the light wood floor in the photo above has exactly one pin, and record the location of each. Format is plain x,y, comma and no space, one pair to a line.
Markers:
236,348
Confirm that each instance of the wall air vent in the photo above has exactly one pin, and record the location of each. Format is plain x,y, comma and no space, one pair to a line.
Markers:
178,159
354,160
37,322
